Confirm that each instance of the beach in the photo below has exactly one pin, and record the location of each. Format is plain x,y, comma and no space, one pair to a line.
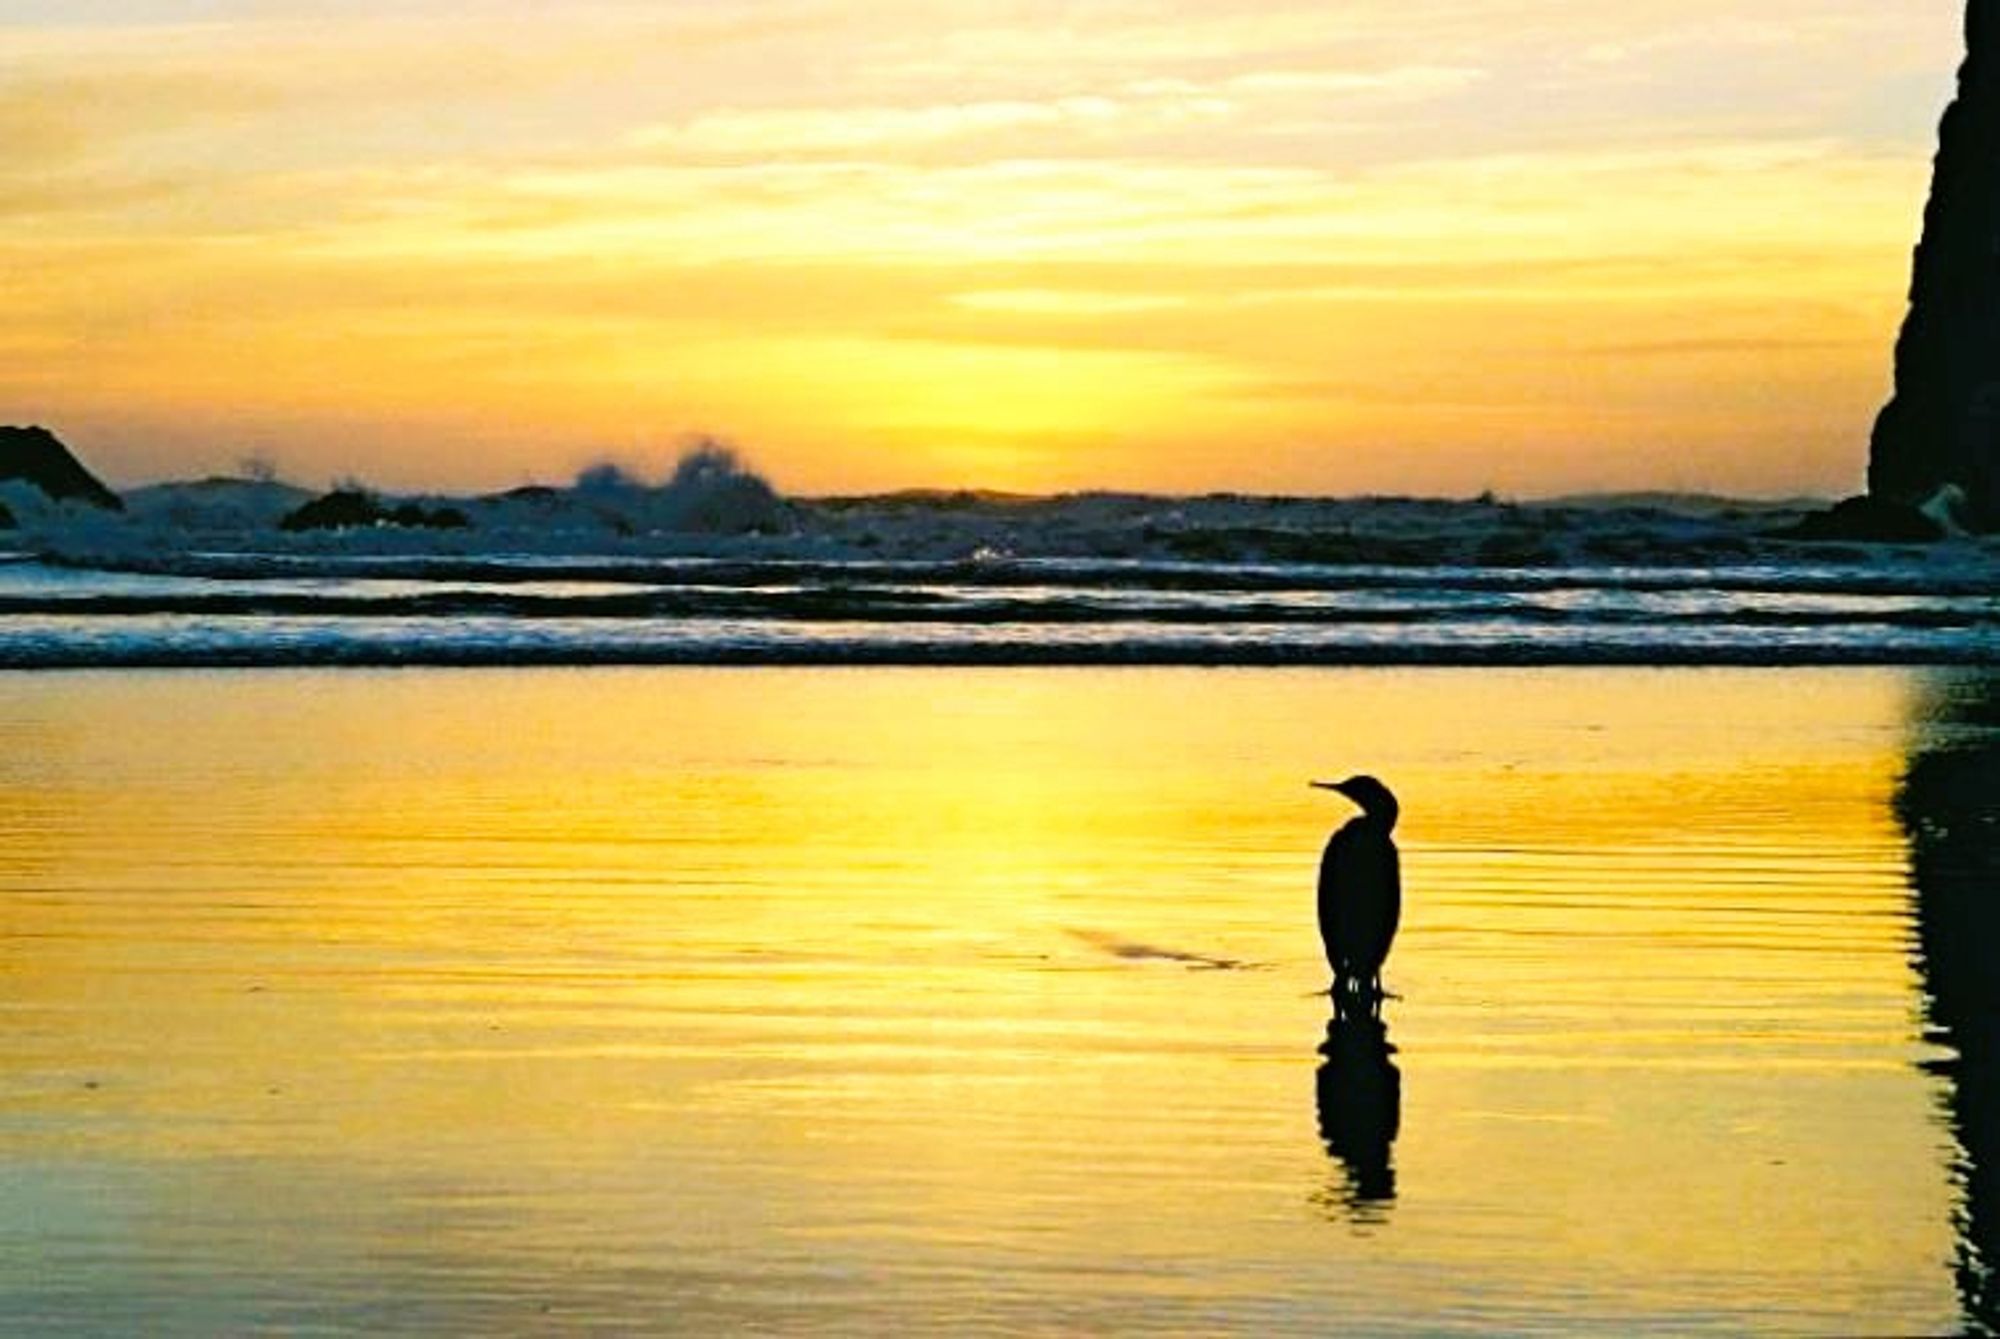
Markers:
867,1000
784,667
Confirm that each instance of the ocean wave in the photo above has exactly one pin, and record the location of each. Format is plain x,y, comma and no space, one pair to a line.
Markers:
1885,578
263,609
1054,606
44,643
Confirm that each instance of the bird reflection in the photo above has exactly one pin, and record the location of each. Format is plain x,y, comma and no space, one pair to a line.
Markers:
1949,808
1359,1095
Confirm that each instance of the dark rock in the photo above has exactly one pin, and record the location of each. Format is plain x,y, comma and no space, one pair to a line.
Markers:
538,494
1865,520
342,509
33,455
1942,425
418,518
7,521
347,508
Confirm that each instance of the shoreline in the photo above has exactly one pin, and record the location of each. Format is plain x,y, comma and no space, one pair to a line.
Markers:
1094,657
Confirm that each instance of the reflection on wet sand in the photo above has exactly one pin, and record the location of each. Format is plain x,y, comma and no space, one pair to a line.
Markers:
1949,805
887,1002
1359,1097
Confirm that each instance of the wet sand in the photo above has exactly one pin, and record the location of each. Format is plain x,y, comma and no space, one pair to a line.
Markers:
869,1001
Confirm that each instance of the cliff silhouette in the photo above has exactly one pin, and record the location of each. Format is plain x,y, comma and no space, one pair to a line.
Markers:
35,456
1941,427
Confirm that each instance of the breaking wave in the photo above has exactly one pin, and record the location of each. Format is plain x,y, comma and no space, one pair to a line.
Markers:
281,609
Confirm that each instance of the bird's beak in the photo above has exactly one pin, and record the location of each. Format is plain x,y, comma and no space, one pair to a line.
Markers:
1328,785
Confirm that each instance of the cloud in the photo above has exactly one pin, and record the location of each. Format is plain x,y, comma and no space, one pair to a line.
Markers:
1402,82
1065,302
51,118
845,131
492,216
1066,124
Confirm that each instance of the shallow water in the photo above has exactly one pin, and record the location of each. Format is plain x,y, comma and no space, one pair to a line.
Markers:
981,1000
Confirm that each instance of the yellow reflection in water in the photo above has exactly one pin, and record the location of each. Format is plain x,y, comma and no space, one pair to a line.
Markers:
991,988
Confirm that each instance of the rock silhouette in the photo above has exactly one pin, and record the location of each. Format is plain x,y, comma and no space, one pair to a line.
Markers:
342,509
1867,520
350,508
34,455
1941,428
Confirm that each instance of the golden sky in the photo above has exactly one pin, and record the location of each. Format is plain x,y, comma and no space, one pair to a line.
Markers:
1036,244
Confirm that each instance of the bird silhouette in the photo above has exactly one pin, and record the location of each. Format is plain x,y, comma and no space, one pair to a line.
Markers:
1360,893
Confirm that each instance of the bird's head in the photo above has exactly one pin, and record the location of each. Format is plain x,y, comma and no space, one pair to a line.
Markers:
1371,795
